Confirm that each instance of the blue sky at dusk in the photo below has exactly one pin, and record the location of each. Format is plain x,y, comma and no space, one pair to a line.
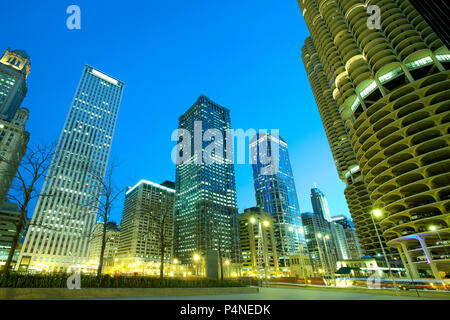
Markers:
244,55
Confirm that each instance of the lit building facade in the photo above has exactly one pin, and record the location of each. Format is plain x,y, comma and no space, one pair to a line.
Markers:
9,218
354,248
321,249
389,87
59,233
111,247
148,208
206,215
275,191
258,244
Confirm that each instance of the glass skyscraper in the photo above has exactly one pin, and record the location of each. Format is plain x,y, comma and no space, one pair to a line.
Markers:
59,233
320,204
206,215
275,191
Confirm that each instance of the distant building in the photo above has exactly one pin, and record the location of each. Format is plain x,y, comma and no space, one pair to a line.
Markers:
13,146
14,69
275,191
112,244
301,266
351,239
322,249
340,241
343,221
9,218
320,204
258,243
148,207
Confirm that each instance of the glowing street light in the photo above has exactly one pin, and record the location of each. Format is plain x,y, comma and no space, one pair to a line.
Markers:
300,231
377,213
266,223
252,220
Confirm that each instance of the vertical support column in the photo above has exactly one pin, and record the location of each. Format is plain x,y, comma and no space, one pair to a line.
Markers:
410,266
435,271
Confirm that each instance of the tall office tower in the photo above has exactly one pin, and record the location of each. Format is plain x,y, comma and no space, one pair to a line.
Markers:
61,223
206,215
148,211
390,86
112,244
13,146
275,191
435,13
258,244
14,69
320,243
320,204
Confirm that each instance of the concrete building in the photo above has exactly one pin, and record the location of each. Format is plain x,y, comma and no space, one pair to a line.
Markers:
258,243
14,69
300,266
148,209
340,241
61,224
111,248
387,91
9,218
434,13
206,215
275,191
320,243
351,239
13,146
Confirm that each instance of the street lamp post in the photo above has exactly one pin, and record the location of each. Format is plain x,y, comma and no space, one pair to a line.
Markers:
435,229
378,213
329,264
261,236
196,258
297,231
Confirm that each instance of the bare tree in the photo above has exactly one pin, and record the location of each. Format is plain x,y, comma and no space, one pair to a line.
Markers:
104,201
160,217
31,171
164,241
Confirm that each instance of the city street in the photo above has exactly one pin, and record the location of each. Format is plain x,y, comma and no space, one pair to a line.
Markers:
300,293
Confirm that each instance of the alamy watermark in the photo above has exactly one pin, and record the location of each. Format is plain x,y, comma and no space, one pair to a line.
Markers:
74,20
214,146
374,21
74,281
